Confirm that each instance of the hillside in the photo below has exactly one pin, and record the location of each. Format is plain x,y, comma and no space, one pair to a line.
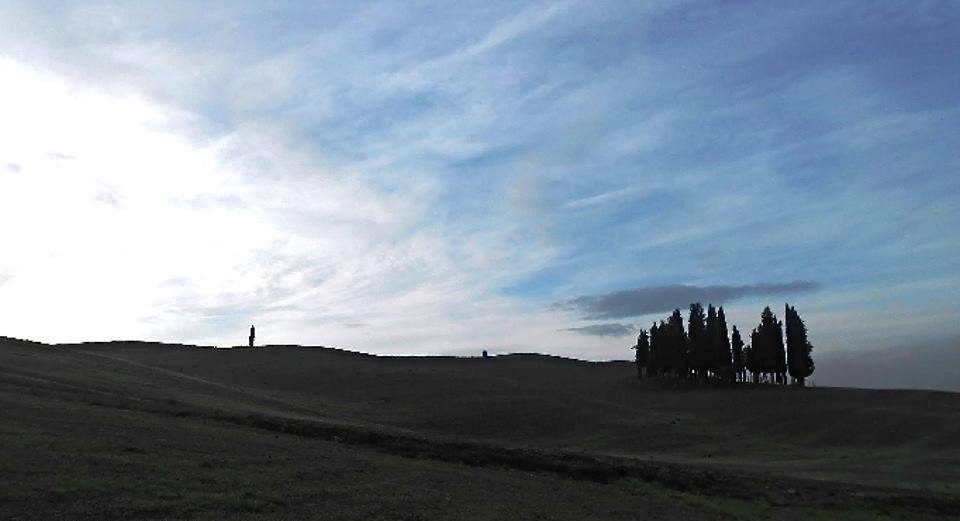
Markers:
933,365
524,425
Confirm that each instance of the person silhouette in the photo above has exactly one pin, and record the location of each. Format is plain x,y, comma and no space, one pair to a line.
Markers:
253,334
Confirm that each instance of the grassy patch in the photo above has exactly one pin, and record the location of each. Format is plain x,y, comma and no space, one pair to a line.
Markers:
726,507
249,501
81,486
739,509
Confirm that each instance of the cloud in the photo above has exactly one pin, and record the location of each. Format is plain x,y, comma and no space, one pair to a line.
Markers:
603,330
657,299
230,201
108,198
13,168
505,30
603,198
356,325
556,148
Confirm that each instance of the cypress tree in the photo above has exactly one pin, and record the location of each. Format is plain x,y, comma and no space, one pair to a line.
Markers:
755,356
699,349
642,348
677,343
656,343
663,354
758,355
712,335
779,352
739,360
798,347
683,359
708,349
773,339
762,345
722,343
772,359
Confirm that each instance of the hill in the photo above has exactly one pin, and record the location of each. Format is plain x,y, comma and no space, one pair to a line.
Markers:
132,429
934,365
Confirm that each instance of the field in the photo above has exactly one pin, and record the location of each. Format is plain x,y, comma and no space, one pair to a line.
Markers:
135,430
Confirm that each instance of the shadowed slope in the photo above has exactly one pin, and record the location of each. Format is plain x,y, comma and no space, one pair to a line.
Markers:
890,438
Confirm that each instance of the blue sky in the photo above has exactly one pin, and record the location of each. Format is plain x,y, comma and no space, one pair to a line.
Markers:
417,177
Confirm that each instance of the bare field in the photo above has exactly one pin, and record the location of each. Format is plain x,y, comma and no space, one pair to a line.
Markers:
135,430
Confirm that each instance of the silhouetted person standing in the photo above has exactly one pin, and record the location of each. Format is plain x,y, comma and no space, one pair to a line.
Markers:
253,334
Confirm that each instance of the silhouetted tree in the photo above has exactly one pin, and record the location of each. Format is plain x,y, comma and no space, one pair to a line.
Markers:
752,357
779,352
768,346
683,355
798,347
711,338
739,360
654,359
706,349
700,356
642,348
722,344
253,335
677,342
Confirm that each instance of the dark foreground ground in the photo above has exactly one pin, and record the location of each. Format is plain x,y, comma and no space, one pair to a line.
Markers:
133,430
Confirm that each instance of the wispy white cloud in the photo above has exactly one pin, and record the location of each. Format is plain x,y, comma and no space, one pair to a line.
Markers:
503,31
443,174
605,197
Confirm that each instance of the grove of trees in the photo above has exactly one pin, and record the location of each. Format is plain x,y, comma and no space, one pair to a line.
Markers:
706,349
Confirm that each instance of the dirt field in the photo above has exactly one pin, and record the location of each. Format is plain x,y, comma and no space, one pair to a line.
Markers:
134,430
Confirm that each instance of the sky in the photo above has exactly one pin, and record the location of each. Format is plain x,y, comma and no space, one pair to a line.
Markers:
446,177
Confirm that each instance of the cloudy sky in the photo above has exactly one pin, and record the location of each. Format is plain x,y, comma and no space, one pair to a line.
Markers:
445,177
